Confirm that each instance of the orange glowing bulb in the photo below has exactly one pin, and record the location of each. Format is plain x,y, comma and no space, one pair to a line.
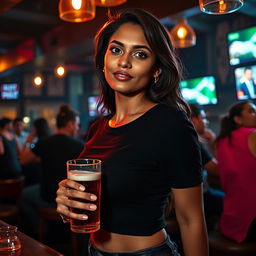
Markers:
182,32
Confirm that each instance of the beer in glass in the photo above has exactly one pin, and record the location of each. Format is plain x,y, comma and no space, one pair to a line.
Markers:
88,173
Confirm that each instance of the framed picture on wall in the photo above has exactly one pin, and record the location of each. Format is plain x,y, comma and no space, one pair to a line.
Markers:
55,86
29,89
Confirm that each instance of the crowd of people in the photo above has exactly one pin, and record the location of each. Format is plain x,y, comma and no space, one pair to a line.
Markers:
155,148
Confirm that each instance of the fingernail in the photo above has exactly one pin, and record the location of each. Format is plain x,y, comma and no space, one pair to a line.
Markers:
93,197
93,207
84,217
81,188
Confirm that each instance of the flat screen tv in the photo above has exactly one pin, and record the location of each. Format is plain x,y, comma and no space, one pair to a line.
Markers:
92,105
242,46
246,82
200,90
9,91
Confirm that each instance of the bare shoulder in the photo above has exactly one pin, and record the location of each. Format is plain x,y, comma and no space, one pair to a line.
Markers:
252,142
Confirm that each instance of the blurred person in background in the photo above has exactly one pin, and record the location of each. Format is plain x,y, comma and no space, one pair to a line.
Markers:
9,151
247,86
32,171
236,153
213,198
19,130
53,153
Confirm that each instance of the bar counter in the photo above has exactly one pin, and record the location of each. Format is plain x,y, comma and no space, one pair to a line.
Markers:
30,246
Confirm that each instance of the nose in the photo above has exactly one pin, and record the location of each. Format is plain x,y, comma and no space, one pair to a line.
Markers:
124,61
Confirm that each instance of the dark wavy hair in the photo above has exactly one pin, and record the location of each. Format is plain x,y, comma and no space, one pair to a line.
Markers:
228,124
166,90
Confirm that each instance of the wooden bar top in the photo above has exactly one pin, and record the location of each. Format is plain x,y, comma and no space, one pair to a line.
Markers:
30,246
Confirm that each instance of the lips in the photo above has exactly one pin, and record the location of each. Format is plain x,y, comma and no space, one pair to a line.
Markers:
122,76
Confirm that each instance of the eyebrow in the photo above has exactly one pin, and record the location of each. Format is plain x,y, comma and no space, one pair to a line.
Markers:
135,46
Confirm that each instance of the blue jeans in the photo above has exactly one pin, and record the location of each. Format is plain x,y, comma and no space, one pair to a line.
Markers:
168,248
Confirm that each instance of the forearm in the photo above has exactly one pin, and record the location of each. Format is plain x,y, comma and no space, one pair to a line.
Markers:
194,239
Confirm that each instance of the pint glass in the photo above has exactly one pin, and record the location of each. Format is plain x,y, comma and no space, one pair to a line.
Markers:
88,173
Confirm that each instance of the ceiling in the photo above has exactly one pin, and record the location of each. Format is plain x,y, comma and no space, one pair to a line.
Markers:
35,23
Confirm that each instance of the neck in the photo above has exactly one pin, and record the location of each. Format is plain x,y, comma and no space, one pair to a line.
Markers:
129,109
63,131
129,106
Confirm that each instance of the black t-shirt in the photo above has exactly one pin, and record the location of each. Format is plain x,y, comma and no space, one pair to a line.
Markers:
142,161
54,152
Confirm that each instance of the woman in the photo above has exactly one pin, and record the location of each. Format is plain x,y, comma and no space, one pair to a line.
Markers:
236,152
148,146
10,167
31,163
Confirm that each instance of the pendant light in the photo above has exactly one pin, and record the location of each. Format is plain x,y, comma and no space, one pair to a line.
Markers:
109,3
60,71
77,10
38,80
182,35
220,6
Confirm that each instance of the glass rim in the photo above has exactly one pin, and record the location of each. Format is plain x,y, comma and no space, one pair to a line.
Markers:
75,162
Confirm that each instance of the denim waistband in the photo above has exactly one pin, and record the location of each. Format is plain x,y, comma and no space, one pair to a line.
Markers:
159,250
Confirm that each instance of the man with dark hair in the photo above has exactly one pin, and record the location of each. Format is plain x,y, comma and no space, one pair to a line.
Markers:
247,86
213,198
53,152
18,127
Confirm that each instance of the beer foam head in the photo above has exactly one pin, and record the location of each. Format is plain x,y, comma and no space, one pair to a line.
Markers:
84,176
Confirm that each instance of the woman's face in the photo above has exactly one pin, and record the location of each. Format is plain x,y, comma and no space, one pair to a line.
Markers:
129,63
248,116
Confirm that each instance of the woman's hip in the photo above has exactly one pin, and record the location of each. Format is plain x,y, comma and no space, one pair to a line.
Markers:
168,248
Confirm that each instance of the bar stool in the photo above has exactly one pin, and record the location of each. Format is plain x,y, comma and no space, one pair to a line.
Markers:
46,214
219,245
10,189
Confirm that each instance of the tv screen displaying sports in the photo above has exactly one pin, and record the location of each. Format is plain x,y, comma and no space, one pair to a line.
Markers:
9,91
200,90
246,82
242,46
92,105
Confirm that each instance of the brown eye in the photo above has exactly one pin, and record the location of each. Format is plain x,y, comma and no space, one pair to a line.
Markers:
115,50
140,55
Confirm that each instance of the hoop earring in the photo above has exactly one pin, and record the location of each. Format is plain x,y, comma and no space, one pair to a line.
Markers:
156,79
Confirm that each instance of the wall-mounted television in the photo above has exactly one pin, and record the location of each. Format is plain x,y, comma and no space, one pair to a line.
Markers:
200,90
9,91
246,82
92,105
242,46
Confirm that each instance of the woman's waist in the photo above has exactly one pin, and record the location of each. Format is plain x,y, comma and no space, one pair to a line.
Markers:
112,242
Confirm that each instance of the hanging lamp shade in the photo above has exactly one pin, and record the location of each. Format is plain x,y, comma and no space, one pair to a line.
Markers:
220,6
108,3
182,35
77,10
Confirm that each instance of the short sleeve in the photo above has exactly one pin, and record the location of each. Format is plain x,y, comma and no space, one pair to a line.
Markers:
91,132
184,168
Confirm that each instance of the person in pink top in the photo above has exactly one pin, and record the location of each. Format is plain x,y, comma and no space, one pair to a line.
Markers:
236,153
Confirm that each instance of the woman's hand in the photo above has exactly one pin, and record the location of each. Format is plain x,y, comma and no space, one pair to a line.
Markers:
67,194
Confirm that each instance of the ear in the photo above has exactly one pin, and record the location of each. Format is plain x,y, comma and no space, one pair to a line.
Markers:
238,120
157,72
70,124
